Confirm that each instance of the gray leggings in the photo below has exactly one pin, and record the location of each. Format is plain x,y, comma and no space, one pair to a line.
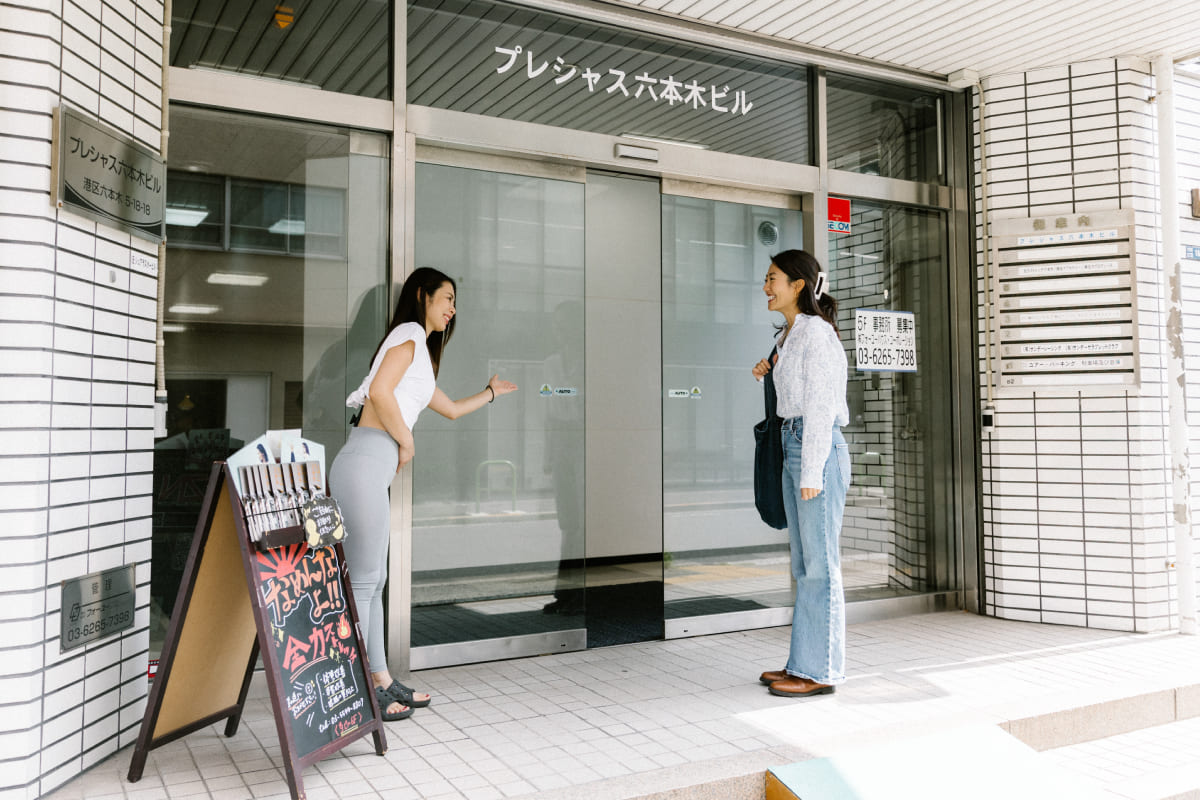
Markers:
359,481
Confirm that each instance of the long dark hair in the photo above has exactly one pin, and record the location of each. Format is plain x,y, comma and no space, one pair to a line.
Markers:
800,264
414,296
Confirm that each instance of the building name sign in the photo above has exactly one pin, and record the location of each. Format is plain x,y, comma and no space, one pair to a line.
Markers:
105,175
644,87
1066,301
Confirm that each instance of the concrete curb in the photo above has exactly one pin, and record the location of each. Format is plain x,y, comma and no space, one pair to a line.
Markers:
1110,718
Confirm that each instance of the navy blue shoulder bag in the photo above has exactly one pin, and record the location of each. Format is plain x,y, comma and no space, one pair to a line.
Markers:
768,458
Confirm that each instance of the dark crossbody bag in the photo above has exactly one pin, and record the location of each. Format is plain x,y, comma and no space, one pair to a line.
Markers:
768,458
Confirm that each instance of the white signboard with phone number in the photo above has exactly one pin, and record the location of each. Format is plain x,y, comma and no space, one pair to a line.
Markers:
885,341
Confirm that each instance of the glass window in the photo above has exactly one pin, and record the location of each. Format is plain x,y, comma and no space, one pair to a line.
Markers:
339,47
259,218
884,129
260,334
897,534
195,210
264,216
517,63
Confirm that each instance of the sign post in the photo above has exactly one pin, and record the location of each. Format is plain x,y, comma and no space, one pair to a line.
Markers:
278,597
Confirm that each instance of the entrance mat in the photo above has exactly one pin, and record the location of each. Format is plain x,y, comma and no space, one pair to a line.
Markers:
615,614
623,613
449,624
704,606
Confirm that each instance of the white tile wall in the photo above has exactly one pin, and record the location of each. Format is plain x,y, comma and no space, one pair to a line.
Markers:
76,389
1187,147
1075,482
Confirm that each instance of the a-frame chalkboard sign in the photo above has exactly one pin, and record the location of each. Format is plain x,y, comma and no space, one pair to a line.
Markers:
275,596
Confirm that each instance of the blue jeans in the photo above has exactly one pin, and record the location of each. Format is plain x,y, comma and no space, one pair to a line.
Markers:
818,650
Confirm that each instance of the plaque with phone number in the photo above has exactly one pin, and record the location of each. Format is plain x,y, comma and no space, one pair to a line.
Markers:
96,606
885,341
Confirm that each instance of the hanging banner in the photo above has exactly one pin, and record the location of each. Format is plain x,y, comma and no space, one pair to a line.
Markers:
104,175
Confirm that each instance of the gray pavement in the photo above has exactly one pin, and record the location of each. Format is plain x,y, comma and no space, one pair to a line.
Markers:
937,705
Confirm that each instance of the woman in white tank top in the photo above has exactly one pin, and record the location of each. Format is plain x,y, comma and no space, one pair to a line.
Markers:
400,384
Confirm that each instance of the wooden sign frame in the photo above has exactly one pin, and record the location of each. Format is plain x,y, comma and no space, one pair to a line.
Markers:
217,633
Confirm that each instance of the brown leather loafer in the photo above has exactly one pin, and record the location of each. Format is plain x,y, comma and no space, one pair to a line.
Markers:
769,677
798,687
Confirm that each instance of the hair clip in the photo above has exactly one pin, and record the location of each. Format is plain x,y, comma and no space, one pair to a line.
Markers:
819,286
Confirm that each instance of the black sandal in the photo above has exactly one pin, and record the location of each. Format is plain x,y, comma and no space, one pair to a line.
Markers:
405,695
385,699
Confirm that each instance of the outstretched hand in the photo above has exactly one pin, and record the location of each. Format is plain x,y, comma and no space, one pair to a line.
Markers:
500,386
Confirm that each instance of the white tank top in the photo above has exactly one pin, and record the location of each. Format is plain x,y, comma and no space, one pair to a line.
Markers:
415,389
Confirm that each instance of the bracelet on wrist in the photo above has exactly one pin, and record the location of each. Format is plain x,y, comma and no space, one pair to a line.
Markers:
493,391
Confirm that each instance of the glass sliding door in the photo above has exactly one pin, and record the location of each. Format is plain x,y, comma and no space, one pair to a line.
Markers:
721,559
725,569
498,496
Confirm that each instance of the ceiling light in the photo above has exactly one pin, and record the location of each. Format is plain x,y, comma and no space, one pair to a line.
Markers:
290,227
172,328
238,278
186,217
190,308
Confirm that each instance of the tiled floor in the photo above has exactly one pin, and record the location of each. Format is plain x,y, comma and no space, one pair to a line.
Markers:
624,721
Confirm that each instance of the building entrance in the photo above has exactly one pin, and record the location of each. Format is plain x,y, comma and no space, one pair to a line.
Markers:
612,494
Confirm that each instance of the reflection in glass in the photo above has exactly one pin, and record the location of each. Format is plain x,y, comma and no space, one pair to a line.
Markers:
195,212
720,556
285,326
884,129
497,525
339,47
892,535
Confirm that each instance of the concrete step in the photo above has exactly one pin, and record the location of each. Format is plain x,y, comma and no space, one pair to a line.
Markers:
1003,760
948,759
1085,723
1156,763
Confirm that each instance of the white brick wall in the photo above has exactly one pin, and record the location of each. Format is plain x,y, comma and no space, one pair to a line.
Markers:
1187,149
1075,482
76,390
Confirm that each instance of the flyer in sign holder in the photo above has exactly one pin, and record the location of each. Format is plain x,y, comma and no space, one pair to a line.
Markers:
266,575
